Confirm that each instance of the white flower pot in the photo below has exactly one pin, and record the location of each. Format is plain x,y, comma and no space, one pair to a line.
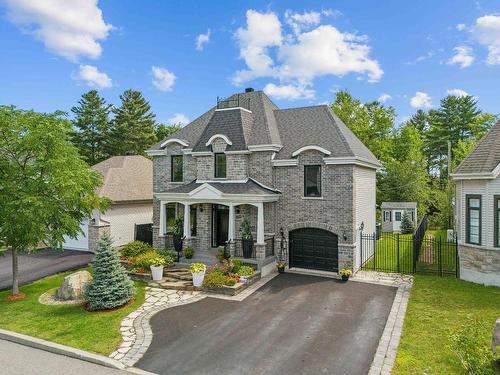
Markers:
157,272
198,278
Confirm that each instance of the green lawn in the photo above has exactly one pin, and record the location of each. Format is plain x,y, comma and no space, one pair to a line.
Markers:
71,325
437,307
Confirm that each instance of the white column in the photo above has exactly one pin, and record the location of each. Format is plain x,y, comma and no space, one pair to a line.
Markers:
260,223
187,220
161,230
232,219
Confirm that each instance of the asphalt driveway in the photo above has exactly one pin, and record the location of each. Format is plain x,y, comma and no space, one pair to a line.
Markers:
40,264
295,324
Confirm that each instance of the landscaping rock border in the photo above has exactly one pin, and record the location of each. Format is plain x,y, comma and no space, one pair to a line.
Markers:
49,298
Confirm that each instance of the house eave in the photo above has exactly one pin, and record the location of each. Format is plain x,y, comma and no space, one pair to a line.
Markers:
477,176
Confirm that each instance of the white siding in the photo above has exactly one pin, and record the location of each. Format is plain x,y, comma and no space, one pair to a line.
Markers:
123,217
364,204
487,189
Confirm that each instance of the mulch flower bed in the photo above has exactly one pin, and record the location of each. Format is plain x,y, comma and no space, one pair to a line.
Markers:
15,297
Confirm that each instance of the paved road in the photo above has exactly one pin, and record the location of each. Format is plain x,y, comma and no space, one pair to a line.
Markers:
295,324
40,264
18,359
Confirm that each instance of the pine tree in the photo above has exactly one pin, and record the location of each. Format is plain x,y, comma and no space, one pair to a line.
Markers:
91,126
406,223
111,286
133,128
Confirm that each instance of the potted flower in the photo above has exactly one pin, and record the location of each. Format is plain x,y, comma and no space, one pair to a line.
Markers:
177,231
246,238
156,265
345,273
198,272
280,265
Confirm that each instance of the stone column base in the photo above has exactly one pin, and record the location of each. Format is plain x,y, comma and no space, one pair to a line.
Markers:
96,232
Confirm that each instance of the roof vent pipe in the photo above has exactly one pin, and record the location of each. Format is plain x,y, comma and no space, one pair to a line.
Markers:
249,89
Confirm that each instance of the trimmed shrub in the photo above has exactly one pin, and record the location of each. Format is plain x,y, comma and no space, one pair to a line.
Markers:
245,271
230,281
135,248
110,287
188,252
167,253
214,279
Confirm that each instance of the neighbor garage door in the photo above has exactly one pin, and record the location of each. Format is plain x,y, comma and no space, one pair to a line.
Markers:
81,242
314,248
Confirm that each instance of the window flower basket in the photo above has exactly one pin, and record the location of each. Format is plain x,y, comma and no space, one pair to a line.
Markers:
246,239
198,272
345,273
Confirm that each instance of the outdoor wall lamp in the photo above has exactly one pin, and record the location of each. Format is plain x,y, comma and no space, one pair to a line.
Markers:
362,226
344,235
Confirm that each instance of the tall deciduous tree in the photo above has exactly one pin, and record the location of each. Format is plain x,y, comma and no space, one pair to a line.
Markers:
371,122
133,128
46,189
91,125
163,131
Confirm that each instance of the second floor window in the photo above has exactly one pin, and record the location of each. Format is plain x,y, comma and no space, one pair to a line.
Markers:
312,181
177,168
473,219
496,221
220,165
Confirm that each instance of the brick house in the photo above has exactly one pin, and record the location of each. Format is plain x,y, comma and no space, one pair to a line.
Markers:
477,211
299,175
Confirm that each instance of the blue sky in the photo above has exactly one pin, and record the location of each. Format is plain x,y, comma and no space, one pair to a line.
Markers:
182,55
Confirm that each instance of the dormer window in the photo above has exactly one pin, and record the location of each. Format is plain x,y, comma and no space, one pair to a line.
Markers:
220,165
177,174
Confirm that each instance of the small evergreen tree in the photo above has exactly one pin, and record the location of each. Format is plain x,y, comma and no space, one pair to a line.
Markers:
406,223
111,287
133,128
91,127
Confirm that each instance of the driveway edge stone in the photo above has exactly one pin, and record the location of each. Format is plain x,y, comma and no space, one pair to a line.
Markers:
385,356
60,349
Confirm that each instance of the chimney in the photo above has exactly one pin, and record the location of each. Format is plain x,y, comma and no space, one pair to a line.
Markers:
249,89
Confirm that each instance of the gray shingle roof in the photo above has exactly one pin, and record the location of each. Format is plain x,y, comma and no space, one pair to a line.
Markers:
486,155
248,187
292,128
318,125
126,178
398,205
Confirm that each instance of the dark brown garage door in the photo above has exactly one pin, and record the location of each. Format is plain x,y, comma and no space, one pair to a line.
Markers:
314,248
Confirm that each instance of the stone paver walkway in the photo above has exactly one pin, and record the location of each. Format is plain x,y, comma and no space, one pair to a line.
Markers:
388,345
135,329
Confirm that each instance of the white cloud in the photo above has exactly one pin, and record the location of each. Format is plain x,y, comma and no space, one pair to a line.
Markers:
384,97
263,30
331,12
288,92
163,79
456,92
93,77
300,21
301,56
69,28
461,26
463,57
487,33
178,119
202,39
421,100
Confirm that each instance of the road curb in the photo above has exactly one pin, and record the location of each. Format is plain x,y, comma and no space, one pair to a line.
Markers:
52,347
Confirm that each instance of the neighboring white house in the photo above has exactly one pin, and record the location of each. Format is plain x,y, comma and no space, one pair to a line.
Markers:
128,183
392,214
477,211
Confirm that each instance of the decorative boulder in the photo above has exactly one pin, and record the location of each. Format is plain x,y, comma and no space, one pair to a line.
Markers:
496,337
72,287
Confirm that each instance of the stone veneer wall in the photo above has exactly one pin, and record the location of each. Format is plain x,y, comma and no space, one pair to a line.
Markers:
333,212
96,231
479,265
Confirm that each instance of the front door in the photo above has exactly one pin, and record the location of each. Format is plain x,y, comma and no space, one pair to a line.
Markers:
220,224
397,220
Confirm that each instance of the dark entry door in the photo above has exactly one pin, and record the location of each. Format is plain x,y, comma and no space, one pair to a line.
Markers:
220,223
314,249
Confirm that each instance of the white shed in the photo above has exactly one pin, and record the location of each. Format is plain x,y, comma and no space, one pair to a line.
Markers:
392,213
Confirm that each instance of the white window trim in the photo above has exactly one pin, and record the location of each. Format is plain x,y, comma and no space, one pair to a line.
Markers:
174,140
215,136
309,148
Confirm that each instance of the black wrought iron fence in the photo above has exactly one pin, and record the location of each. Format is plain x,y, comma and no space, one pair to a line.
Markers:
409,253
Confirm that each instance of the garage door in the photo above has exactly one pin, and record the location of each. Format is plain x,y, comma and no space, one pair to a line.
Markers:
314,249
81,242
